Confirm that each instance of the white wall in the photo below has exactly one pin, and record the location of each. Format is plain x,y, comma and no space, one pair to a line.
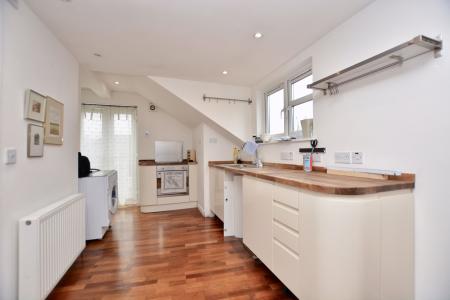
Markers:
399,118
33,58
159,124
236,118
201,161
211,146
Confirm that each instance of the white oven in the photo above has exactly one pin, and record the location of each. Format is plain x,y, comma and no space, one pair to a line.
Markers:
172,180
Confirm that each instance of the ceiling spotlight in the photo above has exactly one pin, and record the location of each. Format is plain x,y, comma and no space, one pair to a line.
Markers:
116,82
258,35
224,72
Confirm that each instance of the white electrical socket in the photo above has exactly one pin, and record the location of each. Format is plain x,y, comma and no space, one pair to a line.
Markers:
357,157
317,157
287,155
213,140
342,157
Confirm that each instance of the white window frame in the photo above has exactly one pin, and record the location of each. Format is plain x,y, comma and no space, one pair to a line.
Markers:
281,86
291,103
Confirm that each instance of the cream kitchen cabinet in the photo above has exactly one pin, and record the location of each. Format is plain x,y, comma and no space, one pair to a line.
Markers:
149,200
226,200
324,246
357,247
193,183
286,236
217,192
147,185
257,217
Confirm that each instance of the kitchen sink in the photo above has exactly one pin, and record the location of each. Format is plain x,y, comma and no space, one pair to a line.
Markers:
243,166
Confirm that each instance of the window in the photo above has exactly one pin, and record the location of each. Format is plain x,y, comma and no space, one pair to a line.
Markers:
275,108
300,102
299,106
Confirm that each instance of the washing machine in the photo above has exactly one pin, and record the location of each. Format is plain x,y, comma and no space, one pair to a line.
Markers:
101,191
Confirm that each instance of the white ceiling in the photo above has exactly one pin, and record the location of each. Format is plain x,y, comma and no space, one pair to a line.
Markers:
191,39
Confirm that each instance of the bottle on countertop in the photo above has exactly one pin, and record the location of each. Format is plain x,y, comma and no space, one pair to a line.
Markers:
236,151
307,162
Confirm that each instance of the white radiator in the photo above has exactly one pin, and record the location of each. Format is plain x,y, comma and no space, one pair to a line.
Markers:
49,242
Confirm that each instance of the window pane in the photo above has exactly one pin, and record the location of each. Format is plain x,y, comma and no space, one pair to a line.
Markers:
301,112
299,89
275,106
122,124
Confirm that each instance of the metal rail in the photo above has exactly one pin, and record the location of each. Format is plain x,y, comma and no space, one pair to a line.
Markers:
208,98
385,60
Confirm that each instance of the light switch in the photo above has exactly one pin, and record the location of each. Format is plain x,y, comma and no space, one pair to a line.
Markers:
10,156
342,157
287,155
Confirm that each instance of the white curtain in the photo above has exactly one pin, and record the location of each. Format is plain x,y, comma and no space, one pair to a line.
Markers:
108,139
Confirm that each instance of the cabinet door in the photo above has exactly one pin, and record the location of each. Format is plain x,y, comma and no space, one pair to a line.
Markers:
193,183
339,247
148,185
257,217
219,194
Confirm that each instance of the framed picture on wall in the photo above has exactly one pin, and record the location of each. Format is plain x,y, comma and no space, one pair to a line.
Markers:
35,140
34,106
54,122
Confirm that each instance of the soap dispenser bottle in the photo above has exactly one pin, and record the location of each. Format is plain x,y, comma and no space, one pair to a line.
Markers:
235,155
307,162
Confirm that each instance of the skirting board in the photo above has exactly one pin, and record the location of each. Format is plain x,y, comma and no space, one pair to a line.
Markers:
204,214
167,207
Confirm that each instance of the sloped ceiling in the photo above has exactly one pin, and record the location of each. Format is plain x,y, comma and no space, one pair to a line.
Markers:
164,99
191,39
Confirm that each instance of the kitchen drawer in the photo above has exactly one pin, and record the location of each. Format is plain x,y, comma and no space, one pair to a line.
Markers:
289,196
286,236
286,266
286,216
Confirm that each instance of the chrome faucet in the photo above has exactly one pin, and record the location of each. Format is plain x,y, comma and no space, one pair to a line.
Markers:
258,162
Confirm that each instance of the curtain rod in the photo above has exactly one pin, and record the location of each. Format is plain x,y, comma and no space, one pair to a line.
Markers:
131,106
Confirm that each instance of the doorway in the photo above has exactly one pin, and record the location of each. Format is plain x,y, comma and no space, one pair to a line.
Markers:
108,139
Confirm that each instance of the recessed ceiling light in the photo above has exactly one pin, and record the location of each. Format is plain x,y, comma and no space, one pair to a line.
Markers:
258,35
97,54
116,82
224,72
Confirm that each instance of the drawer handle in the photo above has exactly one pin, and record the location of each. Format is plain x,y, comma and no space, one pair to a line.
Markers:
286,248
281,204
286,227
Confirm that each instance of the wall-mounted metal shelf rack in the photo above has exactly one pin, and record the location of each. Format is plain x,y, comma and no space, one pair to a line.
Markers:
230,100
393,57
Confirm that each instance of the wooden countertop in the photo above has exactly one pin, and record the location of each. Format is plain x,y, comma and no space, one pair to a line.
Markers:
152,162
322,182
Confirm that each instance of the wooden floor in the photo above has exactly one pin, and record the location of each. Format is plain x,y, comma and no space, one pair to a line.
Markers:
169,255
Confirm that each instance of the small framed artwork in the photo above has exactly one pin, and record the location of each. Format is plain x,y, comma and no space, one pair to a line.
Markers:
54,121
34,106
35,140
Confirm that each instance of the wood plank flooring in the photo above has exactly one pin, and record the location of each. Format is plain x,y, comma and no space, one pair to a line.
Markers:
167,256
